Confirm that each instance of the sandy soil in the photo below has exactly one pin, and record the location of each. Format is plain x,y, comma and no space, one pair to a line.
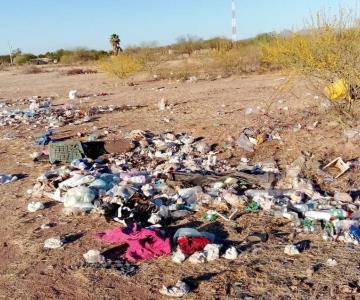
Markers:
216,111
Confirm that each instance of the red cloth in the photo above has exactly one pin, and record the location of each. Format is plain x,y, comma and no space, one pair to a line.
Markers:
143,243
189,245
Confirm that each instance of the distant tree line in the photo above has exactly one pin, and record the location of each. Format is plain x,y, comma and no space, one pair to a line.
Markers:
184,45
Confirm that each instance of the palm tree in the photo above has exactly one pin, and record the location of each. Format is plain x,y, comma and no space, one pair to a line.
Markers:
115,43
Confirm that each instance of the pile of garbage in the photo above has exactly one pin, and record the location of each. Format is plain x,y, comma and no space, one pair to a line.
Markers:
40,112
167,176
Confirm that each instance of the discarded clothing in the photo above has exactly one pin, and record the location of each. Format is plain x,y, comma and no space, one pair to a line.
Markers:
143,243
190,245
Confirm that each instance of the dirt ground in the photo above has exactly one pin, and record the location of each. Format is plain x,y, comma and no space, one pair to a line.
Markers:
211,109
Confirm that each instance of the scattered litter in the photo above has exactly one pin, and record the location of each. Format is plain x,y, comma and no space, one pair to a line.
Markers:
210,215
178,290
162,104
297,248
331,262
42,113
93,257
53,243
7,178
72,94
250,138
35,206
178,257
249,111
337,90
212,251
198,257
47,226
231,253
192,79
340,165
291,250
245,140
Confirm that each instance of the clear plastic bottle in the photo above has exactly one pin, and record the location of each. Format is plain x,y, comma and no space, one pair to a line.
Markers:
318,215
339,213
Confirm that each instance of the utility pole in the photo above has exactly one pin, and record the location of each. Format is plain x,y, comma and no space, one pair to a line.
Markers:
10,53
233,20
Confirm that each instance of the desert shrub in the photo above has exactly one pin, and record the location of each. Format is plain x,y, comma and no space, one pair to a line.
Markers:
121,66
147,57
23,58
187,45
237,60
80,56
4,59
218,44
215,63
329,51
56,55
182,71
265,37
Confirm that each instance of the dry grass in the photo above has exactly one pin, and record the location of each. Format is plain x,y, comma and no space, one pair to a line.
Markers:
327,51
188,58
213,63
121,66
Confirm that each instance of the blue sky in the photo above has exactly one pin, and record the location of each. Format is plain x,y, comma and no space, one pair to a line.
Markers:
40,25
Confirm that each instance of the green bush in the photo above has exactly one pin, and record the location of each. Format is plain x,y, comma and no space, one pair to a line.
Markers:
23,58
80,56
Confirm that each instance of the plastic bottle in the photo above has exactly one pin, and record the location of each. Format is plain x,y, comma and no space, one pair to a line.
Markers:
140,179
303,207
210,215
318,215
339,213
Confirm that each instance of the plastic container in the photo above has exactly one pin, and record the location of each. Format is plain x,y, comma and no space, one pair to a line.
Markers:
79,197
190,195
355,232
318,215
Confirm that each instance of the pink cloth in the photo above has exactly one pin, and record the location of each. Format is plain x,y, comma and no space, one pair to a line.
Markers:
143,243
